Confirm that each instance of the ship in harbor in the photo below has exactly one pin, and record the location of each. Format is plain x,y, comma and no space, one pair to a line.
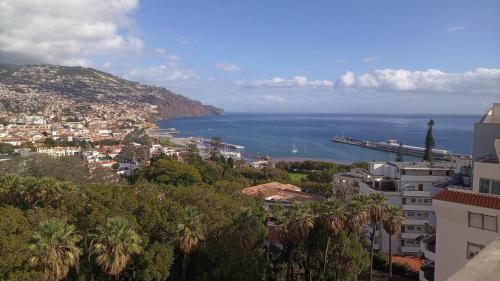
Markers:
393,146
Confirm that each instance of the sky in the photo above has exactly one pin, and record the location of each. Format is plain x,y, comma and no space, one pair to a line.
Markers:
416,56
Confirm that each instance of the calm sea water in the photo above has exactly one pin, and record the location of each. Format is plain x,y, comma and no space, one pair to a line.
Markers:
275,134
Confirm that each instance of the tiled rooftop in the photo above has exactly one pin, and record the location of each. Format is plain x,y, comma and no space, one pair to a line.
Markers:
468,198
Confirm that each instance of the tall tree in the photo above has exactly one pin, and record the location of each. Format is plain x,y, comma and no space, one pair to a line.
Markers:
248,229
54,250
399,157
392,224
376,209
332,219
356,219
115,244
295,225
429,142
190,233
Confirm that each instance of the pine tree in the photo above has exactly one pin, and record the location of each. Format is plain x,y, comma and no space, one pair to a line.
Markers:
399,157
429,142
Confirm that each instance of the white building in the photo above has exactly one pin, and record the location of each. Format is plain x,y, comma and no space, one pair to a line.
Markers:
60,151
410,186
157,150
467,220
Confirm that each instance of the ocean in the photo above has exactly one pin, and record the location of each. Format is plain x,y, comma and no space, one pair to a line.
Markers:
275,134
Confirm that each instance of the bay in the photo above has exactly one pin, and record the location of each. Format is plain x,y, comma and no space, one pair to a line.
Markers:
275,134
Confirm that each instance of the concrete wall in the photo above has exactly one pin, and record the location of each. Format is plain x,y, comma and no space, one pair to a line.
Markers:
453,233
484,139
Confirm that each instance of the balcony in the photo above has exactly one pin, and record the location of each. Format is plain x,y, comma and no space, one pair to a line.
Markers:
414,221
428,247
410,249
415,207
410,235
416,193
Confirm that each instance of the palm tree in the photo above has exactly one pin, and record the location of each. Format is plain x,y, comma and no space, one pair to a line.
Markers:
54,250
392,224
357,217
295,225
190,233
357,214
248,229
376,209
114,245
332,219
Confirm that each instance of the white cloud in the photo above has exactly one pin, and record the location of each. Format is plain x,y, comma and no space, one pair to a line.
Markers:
295,82
479,80
63,31
160,75
455,28
166,55
224,66
184,41
370,59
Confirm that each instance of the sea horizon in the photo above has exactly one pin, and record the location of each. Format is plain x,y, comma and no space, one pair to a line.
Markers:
274,134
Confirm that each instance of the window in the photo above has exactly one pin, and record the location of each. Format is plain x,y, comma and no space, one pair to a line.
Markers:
420,186
419,228
489,186
403,171
473,249
483,221
410,227
495,187
412,200
490,223
447,172
484,185
475,220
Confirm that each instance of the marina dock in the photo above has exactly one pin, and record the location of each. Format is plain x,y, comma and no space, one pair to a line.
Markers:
393,146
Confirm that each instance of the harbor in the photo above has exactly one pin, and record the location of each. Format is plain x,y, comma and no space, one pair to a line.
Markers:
393,146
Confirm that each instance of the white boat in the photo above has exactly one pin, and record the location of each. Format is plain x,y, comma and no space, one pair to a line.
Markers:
294,149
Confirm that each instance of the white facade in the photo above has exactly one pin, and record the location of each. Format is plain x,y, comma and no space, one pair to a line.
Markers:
467,221
60,151
410,187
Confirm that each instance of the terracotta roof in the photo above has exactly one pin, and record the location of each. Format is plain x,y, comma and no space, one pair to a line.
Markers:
467,198
261,188
291,195
281,192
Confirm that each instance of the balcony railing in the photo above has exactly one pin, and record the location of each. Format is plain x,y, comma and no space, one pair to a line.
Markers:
428,247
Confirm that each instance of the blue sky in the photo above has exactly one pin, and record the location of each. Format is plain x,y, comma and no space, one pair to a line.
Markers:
283,56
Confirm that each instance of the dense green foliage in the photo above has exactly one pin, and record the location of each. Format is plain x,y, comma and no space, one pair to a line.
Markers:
173,221
6,148
138,136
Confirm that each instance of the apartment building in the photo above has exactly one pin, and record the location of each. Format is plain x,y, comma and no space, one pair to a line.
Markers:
60,151
411,186
467,220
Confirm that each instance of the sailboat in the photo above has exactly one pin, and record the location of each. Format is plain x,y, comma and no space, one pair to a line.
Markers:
305,148
294,149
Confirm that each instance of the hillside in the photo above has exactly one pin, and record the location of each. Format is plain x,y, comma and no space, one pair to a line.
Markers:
32,86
